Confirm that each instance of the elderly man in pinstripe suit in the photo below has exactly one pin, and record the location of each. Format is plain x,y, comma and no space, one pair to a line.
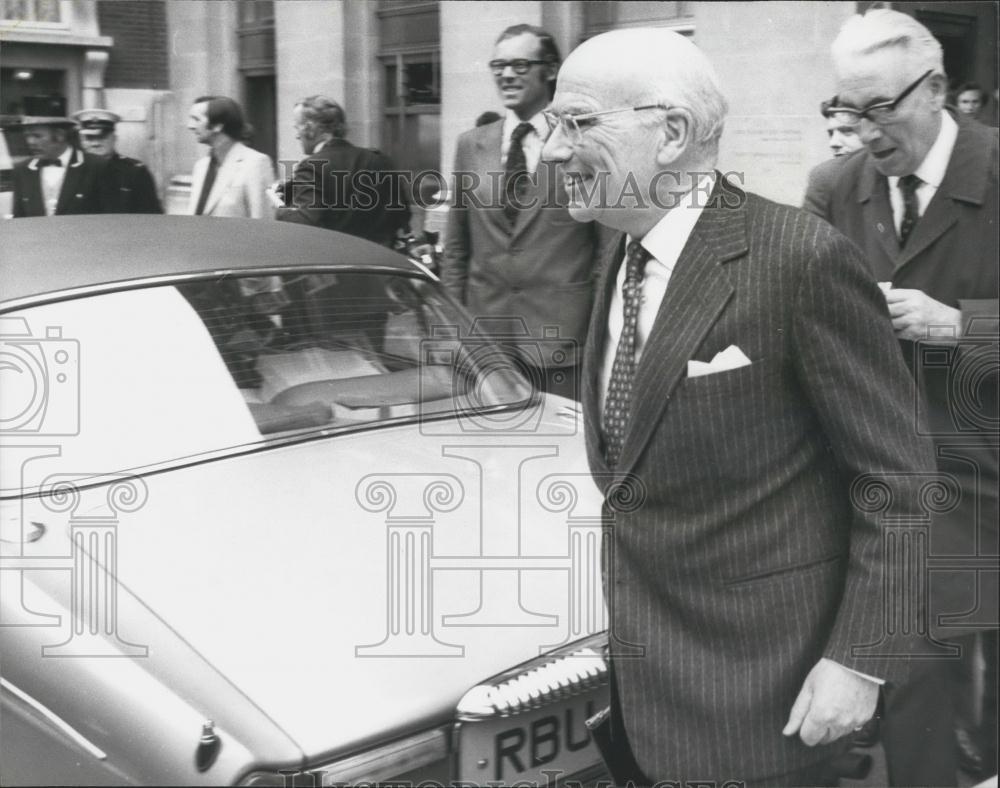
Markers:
741,374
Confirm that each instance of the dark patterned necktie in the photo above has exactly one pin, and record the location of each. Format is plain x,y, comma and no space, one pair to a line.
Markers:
49,163
908,185
618,402
514,179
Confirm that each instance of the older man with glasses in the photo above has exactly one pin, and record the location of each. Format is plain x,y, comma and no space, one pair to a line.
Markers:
922,203
739,375
512,255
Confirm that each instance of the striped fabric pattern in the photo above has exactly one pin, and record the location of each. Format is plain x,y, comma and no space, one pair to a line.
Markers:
746,562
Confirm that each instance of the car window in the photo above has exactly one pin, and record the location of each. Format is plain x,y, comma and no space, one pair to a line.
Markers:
132,379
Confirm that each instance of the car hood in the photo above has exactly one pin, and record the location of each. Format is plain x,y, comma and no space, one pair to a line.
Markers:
354,587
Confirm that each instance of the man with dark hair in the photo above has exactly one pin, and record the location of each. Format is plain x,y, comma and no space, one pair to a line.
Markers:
970,99
339,186
521,261
59,178
127,186
233,179
843,140
841,137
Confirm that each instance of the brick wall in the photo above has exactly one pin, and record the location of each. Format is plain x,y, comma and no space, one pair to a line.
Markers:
139,56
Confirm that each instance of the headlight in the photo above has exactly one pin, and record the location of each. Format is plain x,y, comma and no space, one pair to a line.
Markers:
524,726
401,759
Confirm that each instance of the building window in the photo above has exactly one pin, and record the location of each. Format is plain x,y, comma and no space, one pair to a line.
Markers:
410,54
45,12
255,32
603,15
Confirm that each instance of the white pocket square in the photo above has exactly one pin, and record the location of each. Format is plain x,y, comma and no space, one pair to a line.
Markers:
730,358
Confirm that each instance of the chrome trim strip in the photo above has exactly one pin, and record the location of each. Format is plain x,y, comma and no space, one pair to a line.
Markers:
123,285
55,719
387,761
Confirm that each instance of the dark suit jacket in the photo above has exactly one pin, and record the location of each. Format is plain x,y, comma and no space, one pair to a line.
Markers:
740,561
539,273
822,178
80,193
348,189
128,187
952,256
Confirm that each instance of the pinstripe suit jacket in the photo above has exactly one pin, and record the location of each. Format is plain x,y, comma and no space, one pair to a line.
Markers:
745,562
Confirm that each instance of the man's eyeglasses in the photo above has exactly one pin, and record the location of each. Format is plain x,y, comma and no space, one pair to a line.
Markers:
573,126
882,112
520,65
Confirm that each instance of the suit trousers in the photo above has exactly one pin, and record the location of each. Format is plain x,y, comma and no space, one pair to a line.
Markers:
918,729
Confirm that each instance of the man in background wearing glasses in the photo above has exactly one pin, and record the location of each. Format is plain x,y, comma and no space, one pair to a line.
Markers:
741,386
512,255
921,202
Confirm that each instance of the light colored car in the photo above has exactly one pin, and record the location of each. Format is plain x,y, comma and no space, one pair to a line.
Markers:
271,505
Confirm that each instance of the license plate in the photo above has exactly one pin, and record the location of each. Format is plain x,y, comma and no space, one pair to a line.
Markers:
539,747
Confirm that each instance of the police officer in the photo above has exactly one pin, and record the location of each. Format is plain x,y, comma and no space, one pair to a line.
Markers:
127,187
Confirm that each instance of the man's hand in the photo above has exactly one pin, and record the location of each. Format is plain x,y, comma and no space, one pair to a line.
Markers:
915,315
833,702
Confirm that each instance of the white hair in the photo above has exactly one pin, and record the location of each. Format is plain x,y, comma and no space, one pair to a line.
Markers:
882,28
674,72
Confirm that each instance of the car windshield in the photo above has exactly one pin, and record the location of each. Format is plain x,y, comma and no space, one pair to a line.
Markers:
138,378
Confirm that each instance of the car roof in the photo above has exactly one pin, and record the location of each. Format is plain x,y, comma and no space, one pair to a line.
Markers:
63,253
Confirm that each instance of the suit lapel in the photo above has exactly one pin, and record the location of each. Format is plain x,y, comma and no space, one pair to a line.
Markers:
698,290
487,160
71,183
227,171
873,192
593,355
34,205
965,180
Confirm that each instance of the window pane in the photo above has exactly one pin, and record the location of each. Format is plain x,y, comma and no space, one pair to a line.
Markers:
144,377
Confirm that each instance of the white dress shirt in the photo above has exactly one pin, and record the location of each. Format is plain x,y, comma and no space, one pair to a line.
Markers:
52,180
531,144
664,242
931,171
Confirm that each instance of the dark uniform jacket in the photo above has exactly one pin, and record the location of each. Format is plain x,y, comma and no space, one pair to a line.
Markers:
345,188
952,256
81,189
128,187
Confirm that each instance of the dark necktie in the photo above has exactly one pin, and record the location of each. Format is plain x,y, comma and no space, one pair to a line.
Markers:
515,173
618,402
908,185
49,163
206,187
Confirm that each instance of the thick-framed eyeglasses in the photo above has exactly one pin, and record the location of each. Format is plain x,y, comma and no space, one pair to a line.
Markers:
882,112
520,66
573,126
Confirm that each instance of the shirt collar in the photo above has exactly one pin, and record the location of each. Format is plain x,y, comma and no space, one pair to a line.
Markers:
511,121
667,239
66,155
932,169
